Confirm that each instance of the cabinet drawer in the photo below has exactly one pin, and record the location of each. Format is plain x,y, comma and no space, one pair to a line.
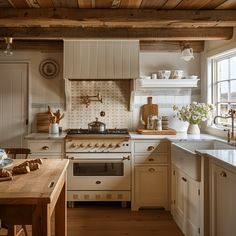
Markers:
45,146
151,159
151,147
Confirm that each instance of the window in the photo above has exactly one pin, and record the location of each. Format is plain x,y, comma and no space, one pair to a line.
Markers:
224,85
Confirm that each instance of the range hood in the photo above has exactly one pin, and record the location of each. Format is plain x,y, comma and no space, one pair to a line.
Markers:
101,59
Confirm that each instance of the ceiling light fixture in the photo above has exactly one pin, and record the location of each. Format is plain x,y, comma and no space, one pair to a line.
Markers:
186,52
8,51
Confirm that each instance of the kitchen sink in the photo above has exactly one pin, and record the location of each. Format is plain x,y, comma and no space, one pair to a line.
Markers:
183,154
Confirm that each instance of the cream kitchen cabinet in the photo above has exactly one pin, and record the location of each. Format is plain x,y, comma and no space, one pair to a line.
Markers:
46,148
222,200
101,59
150,174
185,202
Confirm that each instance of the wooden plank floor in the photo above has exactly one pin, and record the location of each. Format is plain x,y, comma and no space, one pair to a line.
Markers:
117,221
106,221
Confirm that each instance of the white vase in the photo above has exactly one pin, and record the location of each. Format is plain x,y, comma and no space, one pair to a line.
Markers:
193,129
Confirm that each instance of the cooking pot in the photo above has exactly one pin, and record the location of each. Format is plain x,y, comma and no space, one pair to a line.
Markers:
97,126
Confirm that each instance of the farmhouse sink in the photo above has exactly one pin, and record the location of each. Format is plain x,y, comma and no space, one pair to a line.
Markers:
183,155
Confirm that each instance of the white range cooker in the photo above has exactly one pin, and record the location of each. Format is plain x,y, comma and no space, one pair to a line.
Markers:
100,165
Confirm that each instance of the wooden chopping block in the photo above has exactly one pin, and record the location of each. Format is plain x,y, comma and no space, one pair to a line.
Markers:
148,109
42,121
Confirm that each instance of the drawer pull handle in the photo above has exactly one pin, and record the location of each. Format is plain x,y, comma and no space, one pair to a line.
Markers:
150,148
150,159
223,174
45,147
98,182
151,170
126,158
184,179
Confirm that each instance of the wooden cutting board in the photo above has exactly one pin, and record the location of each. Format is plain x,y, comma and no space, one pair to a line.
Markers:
157,132
149,109
42,121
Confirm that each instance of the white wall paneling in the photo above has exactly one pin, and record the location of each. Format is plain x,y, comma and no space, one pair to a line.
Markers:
101,59
13,103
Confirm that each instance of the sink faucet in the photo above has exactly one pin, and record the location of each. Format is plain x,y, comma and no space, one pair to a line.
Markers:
232,116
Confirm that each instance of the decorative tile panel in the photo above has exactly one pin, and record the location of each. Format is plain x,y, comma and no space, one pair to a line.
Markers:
115,103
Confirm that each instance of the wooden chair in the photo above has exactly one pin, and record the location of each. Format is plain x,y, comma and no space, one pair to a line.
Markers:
12,153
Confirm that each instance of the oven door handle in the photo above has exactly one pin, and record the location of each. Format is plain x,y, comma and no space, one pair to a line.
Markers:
100,158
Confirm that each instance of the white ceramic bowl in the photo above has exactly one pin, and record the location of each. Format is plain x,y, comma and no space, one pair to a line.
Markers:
163,74
193,77
177,74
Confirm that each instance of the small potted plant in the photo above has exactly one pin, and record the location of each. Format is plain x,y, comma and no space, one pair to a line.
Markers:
194,114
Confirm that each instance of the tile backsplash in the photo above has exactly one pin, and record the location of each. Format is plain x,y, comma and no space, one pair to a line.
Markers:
115,103
165,99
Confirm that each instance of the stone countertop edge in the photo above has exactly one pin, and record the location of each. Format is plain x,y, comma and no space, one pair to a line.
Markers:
224,156
38,136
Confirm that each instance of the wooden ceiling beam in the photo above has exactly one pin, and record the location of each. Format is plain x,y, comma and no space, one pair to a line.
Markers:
173,34
138,18
170,46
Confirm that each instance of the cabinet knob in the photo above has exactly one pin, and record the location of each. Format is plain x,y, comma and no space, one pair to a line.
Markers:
223,174
73,145
151,170
45,147
150,159
150,148
98,182
126,158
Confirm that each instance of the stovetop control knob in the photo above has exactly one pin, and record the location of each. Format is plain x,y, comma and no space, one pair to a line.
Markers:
73,145
96,145
110,145
103,145
118,145
89,145
81,145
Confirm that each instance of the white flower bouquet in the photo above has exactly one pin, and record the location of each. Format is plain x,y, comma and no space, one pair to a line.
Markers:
194,113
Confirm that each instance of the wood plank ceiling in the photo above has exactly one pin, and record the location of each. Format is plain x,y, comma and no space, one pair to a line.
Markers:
156,23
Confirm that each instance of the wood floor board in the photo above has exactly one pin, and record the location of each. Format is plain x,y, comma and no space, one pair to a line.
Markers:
116,221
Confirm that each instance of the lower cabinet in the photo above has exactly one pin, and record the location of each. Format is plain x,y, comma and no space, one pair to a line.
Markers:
46,148
185,202
150,174
151,186
222,201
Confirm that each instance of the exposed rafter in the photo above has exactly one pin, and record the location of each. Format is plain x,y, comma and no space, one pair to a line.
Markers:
117,33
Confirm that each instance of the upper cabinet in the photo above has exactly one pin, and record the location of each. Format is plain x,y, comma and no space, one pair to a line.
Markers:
101,59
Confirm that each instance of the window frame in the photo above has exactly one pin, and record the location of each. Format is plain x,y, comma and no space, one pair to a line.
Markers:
215,88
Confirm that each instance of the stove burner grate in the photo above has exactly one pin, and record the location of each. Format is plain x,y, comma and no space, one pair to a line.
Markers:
108,131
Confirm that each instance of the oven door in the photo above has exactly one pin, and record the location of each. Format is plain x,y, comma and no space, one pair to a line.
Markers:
99,171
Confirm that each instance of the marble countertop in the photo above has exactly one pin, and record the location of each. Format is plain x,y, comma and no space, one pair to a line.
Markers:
225,156
177,137
133,135
46,136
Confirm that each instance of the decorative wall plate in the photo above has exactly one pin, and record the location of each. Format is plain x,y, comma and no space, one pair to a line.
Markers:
49,68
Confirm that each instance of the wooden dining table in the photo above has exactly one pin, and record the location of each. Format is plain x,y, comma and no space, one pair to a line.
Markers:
30,199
